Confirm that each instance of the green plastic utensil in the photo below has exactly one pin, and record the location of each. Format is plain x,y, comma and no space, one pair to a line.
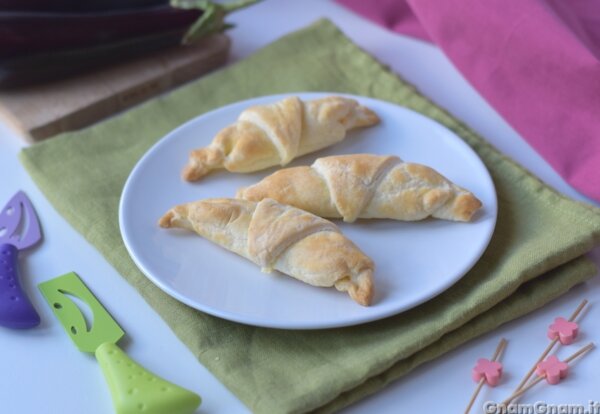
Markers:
133,388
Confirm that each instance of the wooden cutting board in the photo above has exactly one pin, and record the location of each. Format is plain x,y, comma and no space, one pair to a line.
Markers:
48,109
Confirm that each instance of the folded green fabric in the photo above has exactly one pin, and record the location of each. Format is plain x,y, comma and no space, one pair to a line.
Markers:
534,256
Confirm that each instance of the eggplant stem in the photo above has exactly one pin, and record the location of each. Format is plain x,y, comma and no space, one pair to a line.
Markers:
237,5
212,19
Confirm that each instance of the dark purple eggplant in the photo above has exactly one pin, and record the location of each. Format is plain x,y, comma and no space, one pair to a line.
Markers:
81,6
37,47
42,67
24,33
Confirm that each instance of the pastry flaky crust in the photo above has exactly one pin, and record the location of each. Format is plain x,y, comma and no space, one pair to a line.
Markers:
269,135
276,236
366,186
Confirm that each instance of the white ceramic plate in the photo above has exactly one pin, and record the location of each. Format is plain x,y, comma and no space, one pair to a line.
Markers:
415,261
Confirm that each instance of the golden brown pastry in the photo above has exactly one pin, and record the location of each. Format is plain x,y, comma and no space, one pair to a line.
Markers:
280,237
366,186
269,135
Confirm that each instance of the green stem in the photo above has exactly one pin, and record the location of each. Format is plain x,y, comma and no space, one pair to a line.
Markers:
233,6
212,19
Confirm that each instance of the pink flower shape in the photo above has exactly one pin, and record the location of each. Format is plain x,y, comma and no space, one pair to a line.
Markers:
490,370
553,369
564,330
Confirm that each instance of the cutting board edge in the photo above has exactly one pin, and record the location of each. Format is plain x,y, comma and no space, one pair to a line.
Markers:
129,94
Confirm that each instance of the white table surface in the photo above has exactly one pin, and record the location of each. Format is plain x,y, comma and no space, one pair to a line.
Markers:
42,372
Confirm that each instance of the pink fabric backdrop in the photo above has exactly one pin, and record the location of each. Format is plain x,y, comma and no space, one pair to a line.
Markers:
536,61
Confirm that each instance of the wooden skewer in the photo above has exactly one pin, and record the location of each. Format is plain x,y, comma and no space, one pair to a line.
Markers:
497,354
540,359
549,348
522,391
475,394
582,351
499,349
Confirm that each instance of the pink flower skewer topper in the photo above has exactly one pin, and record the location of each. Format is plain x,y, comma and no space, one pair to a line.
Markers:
561,331
490,370
487,370
553,369
566,331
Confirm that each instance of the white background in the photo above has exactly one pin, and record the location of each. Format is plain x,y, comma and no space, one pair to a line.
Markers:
41,371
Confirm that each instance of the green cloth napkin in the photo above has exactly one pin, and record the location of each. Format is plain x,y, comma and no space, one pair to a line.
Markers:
534,256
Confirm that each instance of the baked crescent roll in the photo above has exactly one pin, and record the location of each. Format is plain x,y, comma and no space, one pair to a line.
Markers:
366,186
274,134
280,237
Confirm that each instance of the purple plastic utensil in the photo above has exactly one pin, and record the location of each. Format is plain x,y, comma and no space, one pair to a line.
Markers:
19,229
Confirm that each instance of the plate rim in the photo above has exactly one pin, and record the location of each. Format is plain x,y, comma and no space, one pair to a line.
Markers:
239,318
